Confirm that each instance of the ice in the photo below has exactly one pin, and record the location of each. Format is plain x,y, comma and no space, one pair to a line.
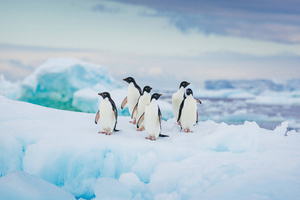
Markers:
275,98
86,100
258,91
216,161
255,86
132,181
109,188
62,83
9,89
19,185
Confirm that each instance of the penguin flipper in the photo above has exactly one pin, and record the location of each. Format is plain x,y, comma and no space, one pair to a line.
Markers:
159,117
140,120
198,101
97,117
134,110
124,102
180,110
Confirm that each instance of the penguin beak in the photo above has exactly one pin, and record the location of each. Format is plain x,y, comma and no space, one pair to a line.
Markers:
100,94
188,83
160,94
151,88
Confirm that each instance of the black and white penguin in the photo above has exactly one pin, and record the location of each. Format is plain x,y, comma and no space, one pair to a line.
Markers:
107,114
143,101
188,115
134,92
177,98
152,119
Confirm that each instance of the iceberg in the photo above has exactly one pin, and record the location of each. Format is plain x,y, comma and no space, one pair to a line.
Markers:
63,82
216,161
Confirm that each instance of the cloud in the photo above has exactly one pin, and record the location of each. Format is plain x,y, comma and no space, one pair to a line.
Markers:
234,18
153,71
104,8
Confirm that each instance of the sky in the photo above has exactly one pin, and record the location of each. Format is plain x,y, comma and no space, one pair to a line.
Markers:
158,42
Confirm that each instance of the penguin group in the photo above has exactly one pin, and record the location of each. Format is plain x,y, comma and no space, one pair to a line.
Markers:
145,112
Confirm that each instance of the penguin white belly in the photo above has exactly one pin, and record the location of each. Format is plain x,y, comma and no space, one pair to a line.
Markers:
132,97
143,102
107,116
151,120
176,101
188,113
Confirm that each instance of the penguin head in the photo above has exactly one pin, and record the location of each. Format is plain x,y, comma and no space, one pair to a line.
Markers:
189,91
129,80
155,96
147,89
104,95
184,84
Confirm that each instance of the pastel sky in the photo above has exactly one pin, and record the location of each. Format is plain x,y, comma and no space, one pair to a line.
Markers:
165,41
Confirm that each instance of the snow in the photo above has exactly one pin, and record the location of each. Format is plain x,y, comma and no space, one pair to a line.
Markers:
19,185
217,161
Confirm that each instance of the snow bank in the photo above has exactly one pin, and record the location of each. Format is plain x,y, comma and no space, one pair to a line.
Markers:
217,161
19,185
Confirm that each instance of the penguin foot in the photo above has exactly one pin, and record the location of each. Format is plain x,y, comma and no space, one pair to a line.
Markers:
150,138
134,121
188,130
179,123
139,129
108,133
102,132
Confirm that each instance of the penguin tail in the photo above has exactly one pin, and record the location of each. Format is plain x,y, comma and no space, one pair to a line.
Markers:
162,135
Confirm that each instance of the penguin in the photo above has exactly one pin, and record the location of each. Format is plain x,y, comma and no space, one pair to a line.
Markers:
143,101
152,118
134,92
107,114
188,115
177,98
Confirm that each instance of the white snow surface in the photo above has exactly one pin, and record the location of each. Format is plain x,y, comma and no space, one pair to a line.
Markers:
19,185
216,161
